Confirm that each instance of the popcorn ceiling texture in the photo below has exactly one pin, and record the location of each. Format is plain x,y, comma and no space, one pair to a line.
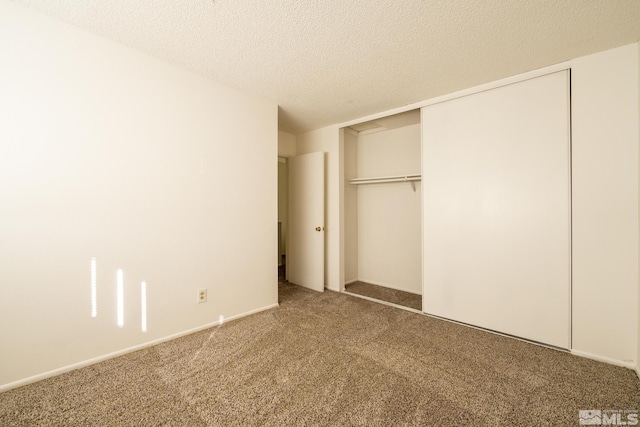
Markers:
326,62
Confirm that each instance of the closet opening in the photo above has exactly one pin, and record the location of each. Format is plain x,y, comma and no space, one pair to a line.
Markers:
383,210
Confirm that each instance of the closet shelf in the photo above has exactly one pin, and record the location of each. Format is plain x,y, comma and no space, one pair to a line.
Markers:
386,179
381,179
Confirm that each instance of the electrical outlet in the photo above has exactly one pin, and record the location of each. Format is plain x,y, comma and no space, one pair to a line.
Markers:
202,295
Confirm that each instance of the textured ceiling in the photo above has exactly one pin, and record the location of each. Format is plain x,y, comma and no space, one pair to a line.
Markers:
330,61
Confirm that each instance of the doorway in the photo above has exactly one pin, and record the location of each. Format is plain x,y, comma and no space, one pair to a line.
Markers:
283,206
301,229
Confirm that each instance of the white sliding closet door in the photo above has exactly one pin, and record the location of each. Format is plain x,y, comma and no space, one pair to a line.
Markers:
496,182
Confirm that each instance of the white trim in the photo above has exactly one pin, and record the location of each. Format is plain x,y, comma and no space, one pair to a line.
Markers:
402,307
397,288
84,363
422,211
465,92
570,142
604,359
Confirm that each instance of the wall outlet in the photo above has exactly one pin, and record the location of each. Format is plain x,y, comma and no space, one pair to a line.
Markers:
202,295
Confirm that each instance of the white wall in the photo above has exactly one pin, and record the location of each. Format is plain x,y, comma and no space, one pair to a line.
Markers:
389,219
605,204
327,140
108,153
350,146
286,144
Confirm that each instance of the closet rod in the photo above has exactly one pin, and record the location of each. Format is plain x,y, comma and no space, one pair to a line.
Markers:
400,178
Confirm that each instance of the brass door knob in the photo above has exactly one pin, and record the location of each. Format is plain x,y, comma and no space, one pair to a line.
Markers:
318,228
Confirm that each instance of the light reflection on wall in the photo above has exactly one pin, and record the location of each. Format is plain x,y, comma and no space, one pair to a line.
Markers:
94,300
143,306
120,298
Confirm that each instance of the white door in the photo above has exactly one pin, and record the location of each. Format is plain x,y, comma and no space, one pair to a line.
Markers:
305,247
496,180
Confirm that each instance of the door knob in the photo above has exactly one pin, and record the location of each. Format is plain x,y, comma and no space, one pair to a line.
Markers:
319,228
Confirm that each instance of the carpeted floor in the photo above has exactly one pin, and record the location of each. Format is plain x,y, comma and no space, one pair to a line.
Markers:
406,299
329,359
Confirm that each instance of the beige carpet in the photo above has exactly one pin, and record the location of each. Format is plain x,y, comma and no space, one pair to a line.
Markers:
329,359
406,299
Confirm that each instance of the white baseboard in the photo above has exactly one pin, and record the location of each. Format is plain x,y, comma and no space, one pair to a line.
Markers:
84,363
604,359
347,283
398,288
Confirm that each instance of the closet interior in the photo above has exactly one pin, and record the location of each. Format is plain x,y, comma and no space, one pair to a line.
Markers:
382,195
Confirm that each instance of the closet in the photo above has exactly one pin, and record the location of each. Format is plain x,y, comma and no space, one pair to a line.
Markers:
467,202
382,196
